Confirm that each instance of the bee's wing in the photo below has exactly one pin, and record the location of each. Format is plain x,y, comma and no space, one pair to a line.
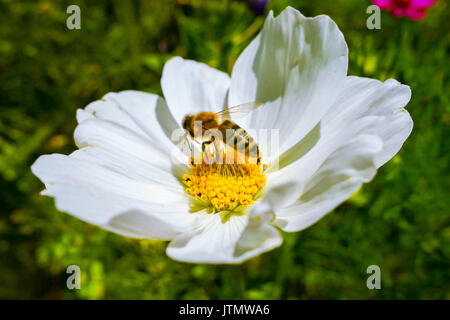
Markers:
239,111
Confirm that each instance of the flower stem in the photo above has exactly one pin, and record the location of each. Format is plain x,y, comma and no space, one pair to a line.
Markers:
285,262
239,282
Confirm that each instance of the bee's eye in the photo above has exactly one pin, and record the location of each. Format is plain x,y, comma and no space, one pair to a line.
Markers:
186,122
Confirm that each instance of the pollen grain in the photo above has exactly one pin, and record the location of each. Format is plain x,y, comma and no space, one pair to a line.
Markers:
225,186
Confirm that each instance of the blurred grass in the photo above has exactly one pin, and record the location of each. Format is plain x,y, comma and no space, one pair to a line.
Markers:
400,221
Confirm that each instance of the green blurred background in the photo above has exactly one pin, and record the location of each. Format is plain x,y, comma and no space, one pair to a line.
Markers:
400,221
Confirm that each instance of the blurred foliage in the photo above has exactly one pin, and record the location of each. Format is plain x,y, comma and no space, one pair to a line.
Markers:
400,221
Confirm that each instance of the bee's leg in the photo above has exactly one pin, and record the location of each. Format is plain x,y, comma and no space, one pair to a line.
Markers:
219,151
206,143
185,139
186,142
205,153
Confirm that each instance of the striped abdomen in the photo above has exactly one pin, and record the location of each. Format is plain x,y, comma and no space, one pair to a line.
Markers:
240,140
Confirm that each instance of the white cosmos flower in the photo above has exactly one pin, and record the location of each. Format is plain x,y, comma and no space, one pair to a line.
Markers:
335,131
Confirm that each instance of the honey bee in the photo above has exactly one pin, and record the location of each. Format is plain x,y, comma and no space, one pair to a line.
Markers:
233,136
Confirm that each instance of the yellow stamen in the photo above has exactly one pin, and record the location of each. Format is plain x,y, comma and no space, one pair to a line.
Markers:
225,186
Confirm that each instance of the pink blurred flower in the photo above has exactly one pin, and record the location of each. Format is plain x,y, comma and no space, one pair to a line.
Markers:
413,9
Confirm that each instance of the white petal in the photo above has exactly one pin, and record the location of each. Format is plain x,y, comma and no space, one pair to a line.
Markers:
113,138
259,236
336,180
127,132
297,64
364,97
364,107
159,224
122,177
143,113
238,239
190,87
127,164
113,201
306,166
281,190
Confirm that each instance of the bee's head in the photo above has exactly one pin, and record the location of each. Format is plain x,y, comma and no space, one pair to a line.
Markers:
187,124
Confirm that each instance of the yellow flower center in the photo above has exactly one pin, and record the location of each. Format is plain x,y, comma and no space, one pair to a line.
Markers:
225,186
